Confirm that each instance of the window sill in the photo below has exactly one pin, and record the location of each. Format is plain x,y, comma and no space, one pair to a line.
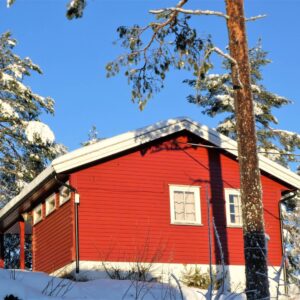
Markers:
186,224
234,226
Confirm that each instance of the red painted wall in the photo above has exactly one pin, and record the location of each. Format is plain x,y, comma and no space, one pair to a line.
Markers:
52,239
124,212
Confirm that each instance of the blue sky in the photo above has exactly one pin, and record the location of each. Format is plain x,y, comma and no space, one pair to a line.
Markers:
73,55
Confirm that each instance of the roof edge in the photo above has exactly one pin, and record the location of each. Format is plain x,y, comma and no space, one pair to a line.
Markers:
131,139
44,175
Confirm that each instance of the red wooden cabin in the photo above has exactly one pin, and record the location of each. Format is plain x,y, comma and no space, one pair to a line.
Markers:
144,195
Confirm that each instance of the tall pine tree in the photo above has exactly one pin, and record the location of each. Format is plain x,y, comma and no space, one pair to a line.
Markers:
26,144
174,43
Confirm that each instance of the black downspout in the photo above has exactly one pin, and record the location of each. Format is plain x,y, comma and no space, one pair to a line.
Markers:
76,203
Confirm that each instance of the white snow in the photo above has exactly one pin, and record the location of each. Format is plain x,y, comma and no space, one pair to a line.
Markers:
6,110
36,129
8,79
36,285
225,100
255,88
228,124
257,109
287,133
17,70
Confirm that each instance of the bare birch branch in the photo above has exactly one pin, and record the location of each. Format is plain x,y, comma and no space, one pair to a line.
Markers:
189,12
255,18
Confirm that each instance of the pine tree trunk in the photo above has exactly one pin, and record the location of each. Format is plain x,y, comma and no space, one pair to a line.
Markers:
257,284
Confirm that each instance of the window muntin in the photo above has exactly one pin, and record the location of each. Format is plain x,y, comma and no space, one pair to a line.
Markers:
37,214
233,207
64,194
50,204
185,205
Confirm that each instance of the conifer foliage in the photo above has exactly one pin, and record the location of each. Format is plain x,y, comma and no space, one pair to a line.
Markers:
26,144
75,8
215,95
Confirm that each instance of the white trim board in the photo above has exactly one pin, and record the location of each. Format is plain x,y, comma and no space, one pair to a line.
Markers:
131,139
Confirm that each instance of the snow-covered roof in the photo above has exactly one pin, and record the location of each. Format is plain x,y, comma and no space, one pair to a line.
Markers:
131,139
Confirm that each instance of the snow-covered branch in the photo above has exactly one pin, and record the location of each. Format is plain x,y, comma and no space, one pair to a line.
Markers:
255,18
286,132
217,50
189,12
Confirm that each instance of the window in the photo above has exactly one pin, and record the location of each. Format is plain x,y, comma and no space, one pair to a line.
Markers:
233,207
64,194
37,214
50,204
185,205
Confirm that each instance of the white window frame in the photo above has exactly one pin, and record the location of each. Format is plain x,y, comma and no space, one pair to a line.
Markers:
185,188
62,199
235,192
50,209
35,214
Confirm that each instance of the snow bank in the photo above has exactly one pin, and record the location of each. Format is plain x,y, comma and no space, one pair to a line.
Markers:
40,286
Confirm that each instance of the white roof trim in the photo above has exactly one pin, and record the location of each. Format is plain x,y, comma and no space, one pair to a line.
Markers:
131,139
138,137
27,189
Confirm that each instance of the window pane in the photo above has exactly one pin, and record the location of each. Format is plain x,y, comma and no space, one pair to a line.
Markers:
179,205
232,210
232,218
189,197
190,213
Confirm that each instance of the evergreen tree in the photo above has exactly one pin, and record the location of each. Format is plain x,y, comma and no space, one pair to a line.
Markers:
26,144
215,95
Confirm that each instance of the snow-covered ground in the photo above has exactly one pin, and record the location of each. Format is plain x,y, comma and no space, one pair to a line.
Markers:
36,285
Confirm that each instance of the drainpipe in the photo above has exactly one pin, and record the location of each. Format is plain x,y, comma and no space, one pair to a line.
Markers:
76,204
282,201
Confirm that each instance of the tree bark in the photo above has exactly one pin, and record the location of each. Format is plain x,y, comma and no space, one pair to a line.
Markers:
257,284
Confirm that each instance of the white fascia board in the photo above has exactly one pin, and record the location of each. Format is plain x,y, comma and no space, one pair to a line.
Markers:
117,144
27,190
141,136
136,138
